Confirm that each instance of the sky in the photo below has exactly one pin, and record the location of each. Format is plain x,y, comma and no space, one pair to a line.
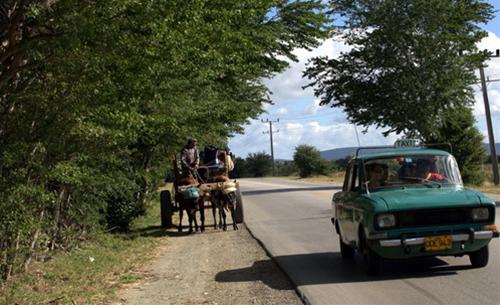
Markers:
303,121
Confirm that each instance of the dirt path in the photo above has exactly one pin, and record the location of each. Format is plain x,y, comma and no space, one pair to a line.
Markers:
214,267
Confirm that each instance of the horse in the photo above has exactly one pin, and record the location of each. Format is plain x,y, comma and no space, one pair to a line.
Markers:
190,205
224,198
207,195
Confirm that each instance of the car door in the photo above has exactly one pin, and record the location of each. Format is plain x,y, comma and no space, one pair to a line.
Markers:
343,203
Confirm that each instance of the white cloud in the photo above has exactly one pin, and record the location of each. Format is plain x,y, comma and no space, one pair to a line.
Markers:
282,110
290,135
313,107
287,86
492,72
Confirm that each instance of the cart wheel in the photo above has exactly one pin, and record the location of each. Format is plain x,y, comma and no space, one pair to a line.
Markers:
239,208
166,209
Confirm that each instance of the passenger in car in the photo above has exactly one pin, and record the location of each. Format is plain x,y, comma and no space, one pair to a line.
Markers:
424,171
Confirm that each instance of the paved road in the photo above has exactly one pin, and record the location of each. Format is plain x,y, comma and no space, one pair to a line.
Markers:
292,220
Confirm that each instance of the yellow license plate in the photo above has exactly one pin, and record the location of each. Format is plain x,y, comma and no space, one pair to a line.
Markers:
436,243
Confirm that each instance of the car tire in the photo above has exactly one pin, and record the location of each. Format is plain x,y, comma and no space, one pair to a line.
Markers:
238,213
480,258
373,262
166,209
346,251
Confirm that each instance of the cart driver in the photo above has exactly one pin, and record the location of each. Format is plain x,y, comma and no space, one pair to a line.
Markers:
190,158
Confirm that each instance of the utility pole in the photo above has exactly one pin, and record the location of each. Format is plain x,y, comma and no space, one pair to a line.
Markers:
270,132
493,150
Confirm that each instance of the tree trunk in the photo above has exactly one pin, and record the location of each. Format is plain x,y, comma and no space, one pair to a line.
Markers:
33,243
63,196
11,264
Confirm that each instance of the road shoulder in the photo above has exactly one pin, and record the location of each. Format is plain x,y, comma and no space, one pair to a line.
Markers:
214,267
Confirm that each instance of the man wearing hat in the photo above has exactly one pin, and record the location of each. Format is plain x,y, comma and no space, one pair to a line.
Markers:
190,158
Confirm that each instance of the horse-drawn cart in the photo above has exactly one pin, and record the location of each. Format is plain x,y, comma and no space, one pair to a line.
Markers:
210,180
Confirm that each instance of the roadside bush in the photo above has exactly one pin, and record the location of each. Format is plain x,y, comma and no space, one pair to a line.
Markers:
308,160
259,164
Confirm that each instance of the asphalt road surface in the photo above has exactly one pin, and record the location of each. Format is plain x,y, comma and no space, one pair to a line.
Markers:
292,220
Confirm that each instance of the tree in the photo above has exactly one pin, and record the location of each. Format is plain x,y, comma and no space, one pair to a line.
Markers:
240,168
97,96
405,68
286,168
308,160
341,164
466,142
259,164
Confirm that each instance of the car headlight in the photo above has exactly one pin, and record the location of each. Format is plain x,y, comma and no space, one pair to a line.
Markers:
386,220
480,214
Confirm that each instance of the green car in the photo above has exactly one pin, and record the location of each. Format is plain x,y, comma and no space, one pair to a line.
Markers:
405,203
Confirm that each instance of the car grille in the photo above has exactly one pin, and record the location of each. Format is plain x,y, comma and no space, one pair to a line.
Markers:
434,217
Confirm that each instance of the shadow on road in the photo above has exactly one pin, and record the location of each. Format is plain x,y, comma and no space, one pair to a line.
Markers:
298,189
329,268
158,231
265,271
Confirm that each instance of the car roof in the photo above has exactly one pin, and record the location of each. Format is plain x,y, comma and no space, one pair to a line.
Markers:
401,152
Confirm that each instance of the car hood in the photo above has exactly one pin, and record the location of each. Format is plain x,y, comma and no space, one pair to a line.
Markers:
422,198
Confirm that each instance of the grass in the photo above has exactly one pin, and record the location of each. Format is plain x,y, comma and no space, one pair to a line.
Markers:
487,187
92,273
336,177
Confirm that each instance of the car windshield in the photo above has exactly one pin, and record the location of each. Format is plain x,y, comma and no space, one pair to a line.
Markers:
410,170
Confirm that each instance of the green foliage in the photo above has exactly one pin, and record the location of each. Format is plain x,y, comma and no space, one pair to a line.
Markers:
466,142
94,271
308,160
406,68
341,164
258,164
286,168
99,94
240,168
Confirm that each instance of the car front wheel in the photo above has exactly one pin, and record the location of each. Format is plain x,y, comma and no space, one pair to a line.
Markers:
373,262
480,257
346,251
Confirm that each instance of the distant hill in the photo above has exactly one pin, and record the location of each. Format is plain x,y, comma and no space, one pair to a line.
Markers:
340,153
487,148
337,153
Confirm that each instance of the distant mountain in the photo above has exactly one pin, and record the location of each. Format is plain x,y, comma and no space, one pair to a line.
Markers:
340,153
337,153
487,148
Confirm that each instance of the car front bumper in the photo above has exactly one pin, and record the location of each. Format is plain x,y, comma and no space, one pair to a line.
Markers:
407,247
471,237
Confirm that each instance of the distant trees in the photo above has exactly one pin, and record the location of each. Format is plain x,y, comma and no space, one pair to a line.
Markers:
240,168
286,168
308,160
258,164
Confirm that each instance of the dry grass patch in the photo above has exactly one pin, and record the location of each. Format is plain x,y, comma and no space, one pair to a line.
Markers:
92,273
